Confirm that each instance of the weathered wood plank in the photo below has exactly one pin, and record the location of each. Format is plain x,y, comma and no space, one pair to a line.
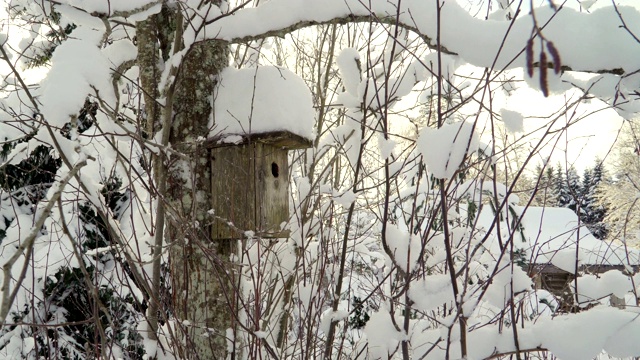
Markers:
249,186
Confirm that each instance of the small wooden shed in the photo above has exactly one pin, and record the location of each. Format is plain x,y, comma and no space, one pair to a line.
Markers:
250,182
561,283
557,247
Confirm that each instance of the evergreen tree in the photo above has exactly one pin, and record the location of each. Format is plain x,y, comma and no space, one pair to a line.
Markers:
593,211
574,189
587,182
563,195
545,193
617,192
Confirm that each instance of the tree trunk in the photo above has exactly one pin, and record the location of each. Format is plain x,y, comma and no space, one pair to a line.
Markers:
201,279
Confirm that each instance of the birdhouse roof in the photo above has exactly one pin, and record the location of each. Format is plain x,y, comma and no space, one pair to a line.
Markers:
265,99
283,139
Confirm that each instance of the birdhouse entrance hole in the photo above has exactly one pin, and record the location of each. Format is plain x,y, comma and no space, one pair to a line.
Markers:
274,170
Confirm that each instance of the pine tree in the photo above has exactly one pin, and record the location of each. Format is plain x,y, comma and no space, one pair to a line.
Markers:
587,182
561,187
593,211
545,193
574,189
618,192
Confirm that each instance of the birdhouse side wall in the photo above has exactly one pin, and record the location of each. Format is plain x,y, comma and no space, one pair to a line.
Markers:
233,191
272,169
249,184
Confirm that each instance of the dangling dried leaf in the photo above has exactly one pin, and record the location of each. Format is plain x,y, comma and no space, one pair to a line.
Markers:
529,54
555,55
544,82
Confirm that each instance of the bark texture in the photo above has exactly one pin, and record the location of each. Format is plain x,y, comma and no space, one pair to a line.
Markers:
201,269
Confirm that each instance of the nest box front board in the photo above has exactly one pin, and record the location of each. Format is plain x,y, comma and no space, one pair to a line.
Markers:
250,182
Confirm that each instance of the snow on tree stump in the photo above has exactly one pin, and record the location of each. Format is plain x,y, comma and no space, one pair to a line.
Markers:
250,182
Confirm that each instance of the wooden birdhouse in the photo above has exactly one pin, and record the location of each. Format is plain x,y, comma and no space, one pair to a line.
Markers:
250,182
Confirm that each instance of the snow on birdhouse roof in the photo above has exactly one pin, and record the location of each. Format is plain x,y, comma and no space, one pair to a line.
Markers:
261,100
550,235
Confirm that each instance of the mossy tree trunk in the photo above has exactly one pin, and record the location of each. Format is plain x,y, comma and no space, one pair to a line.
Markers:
200,268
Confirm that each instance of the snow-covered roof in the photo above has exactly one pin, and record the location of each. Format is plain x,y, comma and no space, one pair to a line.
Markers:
261,100
555,236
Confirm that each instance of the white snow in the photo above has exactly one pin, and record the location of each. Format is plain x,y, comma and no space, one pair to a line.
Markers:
120,51
552,235
76,67
445,148
432,292
405,247
386,146
348,63
260,100
109,7
507,281
583,335
477,41
344,198
265,99
20,152
329,316
448,65
592,288
513,121
382,335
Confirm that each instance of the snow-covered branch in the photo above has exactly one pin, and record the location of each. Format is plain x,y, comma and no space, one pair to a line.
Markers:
26,245
477,41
